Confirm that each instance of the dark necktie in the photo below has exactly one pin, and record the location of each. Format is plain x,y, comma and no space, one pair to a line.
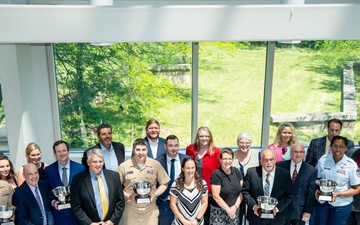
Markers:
267,185
64,177
38,200
172,171
294,175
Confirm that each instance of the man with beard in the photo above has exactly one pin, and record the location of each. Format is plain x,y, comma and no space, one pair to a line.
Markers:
154,142
114,152
267,180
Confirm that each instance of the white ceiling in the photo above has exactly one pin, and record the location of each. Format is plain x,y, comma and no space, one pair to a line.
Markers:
154,21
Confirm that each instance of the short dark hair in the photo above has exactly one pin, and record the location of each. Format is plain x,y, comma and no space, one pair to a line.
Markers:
139,141
339,138
151,121
334,121
60,142
102,126
228,151
171,137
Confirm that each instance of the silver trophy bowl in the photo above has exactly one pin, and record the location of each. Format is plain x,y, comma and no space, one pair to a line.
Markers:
326,186
267,204
6,212
142,188
62,193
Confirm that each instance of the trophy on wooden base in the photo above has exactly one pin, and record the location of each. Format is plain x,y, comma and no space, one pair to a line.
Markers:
62,193
267,205
142,189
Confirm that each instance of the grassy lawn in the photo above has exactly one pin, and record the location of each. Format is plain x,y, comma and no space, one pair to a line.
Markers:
231,93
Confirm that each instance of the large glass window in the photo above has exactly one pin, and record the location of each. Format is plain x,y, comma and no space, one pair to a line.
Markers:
231,88
308,89
122,85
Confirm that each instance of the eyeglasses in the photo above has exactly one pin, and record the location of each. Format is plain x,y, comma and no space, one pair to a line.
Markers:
338,146
299,152
244,143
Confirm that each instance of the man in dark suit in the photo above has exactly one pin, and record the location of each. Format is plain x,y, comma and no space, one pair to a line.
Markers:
96,194
171,161
267,180
114,152
60,173
320,146
32,199
303,177
154,142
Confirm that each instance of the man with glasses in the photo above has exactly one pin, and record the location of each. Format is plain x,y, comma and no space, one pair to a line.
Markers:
303,177
267,180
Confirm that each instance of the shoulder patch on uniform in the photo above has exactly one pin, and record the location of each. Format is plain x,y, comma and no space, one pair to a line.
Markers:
358,172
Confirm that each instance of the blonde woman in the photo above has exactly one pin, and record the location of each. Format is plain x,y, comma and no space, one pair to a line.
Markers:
285,138
33,155
206,157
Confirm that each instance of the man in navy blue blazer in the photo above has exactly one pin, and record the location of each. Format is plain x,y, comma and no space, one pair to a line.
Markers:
32,200
60,173
154,142
166,216
320,146
303,179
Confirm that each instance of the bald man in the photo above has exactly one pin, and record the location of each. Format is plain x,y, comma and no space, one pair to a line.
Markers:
32,199
279,187
303,177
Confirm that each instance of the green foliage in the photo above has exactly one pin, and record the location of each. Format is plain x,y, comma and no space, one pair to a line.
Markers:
335,53
113,85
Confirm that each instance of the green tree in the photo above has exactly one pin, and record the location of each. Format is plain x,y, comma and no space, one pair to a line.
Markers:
111,85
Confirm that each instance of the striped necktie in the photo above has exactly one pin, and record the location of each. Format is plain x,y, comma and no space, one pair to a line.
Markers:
41,206
267,185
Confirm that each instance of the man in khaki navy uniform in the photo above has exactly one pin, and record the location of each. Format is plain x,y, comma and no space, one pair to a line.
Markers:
141,168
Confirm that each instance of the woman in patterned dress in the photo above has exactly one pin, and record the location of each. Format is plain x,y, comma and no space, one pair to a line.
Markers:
188,196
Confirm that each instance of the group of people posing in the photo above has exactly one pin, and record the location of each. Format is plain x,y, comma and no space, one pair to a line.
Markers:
204,186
